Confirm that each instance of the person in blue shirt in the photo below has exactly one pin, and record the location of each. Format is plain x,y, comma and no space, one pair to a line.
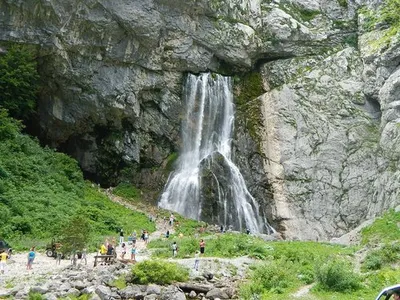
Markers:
31,258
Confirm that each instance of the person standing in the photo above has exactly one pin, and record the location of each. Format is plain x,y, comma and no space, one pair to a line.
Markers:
146,237
196,260
133,252
123,252
3,261
174,249
171,220
121,236
58,258
84,256
202,246
31,258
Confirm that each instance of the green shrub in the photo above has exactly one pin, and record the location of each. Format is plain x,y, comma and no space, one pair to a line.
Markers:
127,191
35,296
75,234
40,189
337,276
18,82
275,277
384,229
159,272
376,259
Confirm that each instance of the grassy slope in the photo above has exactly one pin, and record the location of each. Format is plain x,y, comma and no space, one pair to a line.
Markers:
40,189
284,268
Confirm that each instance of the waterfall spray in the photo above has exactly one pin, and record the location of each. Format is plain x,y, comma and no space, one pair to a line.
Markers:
206,141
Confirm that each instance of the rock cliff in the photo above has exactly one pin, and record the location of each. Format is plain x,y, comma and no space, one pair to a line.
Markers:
316,96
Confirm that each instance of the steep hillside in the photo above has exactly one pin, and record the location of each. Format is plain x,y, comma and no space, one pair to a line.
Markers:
40,189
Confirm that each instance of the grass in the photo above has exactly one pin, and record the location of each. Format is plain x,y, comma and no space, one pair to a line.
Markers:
158,272
385,229
40,189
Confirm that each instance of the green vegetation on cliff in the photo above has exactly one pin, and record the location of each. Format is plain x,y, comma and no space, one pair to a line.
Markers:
41,189
19,82
387,18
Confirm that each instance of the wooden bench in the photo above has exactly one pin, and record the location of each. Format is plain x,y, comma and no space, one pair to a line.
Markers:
109,259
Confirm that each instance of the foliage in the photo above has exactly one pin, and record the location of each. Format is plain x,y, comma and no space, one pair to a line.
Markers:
171,159
127,191
119,283
343,3
75,234
274,277
387,17
337,276
18,82
40,189
35,296
376,259
248,87
383,230
159,272
9,127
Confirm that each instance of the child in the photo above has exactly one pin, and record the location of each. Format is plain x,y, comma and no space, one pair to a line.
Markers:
133,252
196,260
123,251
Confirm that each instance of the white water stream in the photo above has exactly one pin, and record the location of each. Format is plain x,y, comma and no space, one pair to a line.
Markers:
207,129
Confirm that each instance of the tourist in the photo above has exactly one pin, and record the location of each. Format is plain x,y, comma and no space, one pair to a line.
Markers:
196,260
171,220
146,237
3,261
84,256
202,246
174,249
31,258
121,236
167,234
133,252
123,251
58,258
134,237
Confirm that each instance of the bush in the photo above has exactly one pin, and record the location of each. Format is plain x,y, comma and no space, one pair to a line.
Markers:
127,191
389,253
159,272
18,82
75,234
337,276
275,277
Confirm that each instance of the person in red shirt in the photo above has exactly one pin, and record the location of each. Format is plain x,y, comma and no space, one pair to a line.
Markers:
202,246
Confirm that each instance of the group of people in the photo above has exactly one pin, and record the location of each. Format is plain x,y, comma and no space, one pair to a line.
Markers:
4,256
197,254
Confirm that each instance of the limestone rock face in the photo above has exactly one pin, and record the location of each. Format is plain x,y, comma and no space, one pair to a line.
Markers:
317,145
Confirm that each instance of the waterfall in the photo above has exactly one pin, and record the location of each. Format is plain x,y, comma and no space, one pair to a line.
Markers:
205,175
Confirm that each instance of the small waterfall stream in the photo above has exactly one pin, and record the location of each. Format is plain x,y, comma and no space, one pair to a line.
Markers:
206,150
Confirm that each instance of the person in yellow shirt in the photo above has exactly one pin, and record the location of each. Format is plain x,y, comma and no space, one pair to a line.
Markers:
103,251
3,261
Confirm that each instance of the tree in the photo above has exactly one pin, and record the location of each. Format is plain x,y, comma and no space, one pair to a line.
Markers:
19,82
75,234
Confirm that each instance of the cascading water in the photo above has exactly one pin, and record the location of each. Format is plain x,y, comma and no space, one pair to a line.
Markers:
207,185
